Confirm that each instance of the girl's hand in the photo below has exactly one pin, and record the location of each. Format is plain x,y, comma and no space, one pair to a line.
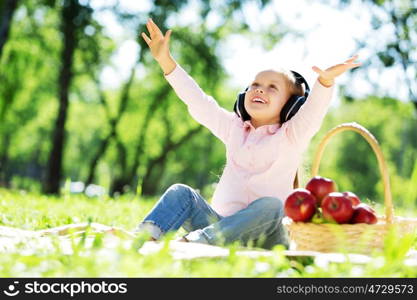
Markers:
327,77
158,43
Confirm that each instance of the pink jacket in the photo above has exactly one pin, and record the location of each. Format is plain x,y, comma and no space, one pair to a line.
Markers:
259,162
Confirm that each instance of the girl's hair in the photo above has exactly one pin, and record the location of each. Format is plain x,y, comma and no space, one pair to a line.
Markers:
294,88
296,183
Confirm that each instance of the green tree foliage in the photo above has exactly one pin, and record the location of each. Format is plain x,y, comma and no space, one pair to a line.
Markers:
396,20
28,55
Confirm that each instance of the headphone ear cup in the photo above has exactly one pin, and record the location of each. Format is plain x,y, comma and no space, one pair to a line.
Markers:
291,107
301,80
239,107
236,107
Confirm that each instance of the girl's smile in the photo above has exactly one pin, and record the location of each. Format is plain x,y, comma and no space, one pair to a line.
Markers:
258,99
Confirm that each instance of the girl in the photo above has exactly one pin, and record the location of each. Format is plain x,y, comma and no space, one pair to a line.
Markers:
264,141
264,147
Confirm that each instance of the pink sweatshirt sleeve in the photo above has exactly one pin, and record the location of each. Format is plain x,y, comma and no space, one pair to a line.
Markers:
203,108
307,121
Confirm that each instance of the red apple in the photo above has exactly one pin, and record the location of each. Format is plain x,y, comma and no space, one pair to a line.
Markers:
300,205
353,198
336,207
320,187
363,214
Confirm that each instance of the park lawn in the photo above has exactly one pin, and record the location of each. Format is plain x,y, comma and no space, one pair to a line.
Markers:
29,211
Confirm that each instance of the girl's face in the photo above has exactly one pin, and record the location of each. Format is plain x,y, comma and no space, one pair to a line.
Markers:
266,96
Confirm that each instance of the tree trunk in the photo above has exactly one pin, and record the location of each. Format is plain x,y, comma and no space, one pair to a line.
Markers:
120,183
202,177
4,158
160,97
154,173
54,169
128,174
100,152
104,143
151,182
7,10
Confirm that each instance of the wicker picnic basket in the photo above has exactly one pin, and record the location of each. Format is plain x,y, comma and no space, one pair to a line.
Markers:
350,238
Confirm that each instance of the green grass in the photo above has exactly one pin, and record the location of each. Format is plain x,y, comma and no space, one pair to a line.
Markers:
31,211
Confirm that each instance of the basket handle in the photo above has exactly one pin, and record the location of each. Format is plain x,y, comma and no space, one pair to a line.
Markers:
389,210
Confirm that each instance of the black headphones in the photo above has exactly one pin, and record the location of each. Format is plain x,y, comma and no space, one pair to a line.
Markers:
288,111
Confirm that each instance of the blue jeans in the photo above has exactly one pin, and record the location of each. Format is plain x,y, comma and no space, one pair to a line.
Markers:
180,205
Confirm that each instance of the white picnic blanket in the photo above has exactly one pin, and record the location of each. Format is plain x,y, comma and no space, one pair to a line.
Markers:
27,242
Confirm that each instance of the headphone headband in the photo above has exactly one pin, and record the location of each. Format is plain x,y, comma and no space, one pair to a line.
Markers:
301,80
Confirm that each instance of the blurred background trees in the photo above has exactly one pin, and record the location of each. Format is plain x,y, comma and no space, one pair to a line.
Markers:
61,122
394,39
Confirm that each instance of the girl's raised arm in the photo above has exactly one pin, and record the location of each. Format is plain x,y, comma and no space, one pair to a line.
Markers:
159,45
307,121
203,108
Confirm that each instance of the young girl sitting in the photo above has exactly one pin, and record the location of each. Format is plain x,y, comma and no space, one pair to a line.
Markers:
264,141
271,126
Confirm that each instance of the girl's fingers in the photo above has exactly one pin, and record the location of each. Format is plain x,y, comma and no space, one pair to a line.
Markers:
317,70
145,37
156,28
352,65
168,35
148,25
353,58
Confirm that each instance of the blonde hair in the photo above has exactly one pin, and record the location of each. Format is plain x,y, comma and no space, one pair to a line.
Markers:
294,88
